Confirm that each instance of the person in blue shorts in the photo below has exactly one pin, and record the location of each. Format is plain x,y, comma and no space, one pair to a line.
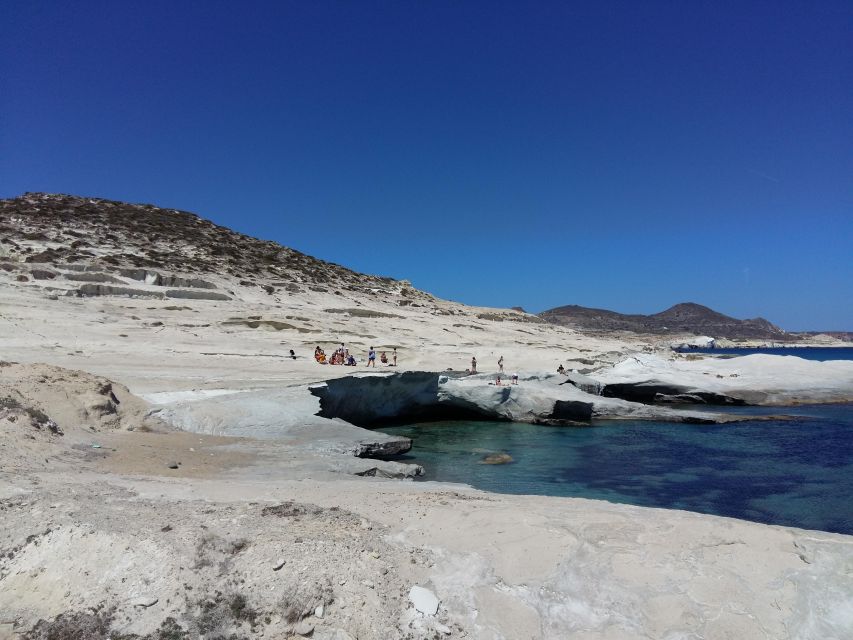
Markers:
371,358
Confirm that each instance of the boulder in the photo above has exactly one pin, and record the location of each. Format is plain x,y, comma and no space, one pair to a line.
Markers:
397,470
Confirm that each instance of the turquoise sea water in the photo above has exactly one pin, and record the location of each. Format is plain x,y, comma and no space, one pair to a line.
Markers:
808,353
795,472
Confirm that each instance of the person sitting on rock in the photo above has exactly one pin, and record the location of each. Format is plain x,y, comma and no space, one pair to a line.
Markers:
383,358
514,378
498,381
560,369
293,354
350,360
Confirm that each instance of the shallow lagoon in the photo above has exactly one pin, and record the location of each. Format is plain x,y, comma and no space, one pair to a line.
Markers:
796,472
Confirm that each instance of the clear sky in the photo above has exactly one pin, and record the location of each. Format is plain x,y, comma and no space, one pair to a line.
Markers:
624,155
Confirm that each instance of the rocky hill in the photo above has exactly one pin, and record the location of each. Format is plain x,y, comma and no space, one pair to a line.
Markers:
843,336
107,245
686,317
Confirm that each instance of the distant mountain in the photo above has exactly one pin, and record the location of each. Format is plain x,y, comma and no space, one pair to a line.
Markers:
686,317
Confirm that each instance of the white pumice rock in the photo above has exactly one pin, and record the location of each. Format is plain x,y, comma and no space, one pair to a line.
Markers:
755,379
423,600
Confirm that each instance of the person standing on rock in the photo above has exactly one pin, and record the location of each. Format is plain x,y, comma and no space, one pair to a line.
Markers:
474,364
501,364
371,358
394,356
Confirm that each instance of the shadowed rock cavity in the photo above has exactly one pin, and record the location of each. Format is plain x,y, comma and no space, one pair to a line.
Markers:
572,410
107,290
371,401
650,392
160,280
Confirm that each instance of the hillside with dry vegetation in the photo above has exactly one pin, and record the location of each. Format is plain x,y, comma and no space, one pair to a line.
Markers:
112,241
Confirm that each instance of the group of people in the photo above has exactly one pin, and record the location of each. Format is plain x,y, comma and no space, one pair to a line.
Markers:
513,378
342,356
383,358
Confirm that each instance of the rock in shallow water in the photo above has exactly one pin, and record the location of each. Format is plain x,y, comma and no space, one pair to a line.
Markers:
497,458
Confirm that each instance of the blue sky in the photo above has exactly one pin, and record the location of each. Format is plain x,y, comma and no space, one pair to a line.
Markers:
624,155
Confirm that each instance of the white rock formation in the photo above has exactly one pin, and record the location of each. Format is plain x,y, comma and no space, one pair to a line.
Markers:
695,342
370,399
755,379
423,600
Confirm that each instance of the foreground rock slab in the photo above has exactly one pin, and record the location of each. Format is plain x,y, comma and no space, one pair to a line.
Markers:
202,554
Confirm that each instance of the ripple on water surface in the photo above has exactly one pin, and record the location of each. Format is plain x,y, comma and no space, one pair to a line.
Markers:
795,472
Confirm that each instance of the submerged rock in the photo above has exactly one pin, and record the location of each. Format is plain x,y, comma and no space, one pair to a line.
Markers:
497,458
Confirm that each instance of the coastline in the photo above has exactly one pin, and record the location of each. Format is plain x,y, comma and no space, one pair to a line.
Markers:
117,528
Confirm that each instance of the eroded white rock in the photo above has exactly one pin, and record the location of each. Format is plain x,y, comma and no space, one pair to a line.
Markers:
423,600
